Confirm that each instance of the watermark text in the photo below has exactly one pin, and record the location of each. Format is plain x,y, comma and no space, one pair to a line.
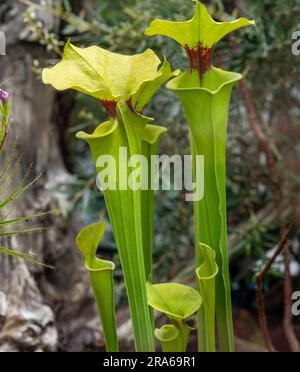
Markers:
2,44
296,304
296,44
3,305
156,172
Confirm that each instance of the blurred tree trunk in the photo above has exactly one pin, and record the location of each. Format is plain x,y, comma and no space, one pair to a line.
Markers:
40,302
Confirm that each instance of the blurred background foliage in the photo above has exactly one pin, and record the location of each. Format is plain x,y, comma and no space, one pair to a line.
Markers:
264,55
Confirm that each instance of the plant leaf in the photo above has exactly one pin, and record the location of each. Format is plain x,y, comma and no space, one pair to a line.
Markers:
101,277
124,84
200,30
103,74
207,115
177,301
125,210
205,93
5,222
151,137
24,256
168,335
173,338
212,82
206,275
149,88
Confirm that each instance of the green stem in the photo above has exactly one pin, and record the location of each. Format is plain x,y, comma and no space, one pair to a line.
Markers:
127,226
184,333
124,209
149,149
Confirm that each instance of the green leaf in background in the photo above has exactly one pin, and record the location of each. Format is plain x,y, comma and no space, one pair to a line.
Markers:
101,278
206,274
8,195
178,302
205,92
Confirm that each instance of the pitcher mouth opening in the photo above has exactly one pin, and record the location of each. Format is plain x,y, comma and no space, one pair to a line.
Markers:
102,130
211,82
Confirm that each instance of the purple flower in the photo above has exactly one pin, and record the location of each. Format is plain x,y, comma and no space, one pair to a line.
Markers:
4,96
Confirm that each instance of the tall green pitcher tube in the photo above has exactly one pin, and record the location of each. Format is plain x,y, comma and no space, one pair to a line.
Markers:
206,110
204,92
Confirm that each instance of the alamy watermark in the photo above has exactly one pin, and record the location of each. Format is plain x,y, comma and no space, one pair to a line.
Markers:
296,304
296,43
2,44
168,172
3,304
